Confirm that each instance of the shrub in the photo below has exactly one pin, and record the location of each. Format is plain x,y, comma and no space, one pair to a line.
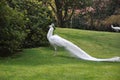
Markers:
38,17
11,29
114,19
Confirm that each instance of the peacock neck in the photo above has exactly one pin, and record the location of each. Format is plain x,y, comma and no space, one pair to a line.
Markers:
50,33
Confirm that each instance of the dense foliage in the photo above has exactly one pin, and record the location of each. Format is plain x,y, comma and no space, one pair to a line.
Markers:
23,24
38,18
98,16
11,29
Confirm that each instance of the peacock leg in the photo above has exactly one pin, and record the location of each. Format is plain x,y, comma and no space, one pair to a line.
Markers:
55,53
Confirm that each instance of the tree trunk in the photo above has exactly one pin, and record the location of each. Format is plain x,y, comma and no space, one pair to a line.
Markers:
91,21
59,13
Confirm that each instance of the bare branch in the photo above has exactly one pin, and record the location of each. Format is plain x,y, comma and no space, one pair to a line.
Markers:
54,10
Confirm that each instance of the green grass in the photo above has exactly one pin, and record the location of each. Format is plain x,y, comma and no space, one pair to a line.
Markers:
40,64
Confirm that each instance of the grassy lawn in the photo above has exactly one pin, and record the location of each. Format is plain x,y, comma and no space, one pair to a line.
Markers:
40,64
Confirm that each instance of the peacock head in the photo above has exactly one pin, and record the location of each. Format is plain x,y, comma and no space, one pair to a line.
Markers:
52,26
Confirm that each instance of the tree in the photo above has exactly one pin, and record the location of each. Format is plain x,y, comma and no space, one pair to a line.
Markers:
64,9
113,7
103,10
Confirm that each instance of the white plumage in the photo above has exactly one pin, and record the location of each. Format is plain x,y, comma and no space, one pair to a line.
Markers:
115,28
56,40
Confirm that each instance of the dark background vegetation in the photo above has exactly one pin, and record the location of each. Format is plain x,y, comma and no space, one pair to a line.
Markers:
24,23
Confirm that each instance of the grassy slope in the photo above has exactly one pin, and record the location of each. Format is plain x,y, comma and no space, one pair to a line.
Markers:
40,64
